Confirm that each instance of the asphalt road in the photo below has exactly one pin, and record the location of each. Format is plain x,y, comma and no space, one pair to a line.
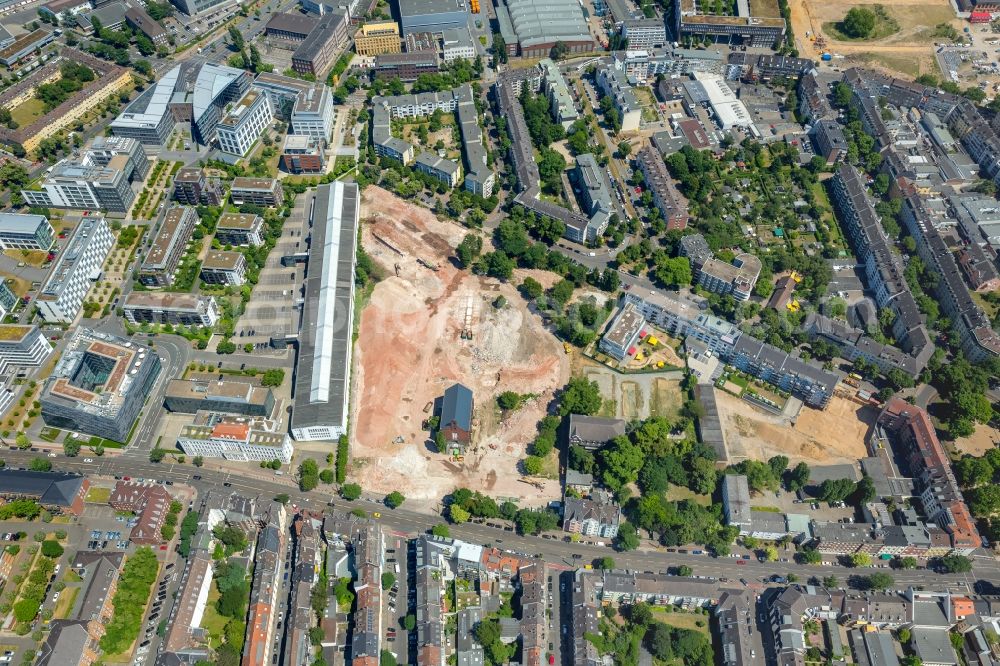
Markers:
557,553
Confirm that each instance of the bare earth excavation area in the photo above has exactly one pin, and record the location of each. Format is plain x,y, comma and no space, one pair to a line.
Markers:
834,435
410,349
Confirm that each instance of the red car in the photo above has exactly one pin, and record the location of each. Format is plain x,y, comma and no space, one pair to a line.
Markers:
552,659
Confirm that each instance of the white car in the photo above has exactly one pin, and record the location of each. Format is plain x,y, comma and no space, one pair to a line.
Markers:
88,460
52,455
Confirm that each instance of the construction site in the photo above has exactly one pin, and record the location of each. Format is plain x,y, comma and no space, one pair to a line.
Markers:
425,327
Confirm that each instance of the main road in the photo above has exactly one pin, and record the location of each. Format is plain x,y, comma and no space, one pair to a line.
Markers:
405,521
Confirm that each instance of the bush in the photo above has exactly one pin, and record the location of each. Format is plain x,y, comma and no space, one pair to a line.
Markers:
343,445
51,548
394,499
350,491
388,580
326,476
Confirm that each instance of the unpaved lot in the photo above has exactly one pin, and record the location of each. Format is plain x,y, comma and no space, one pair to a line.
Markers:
981,441
634,396
834,435
909,51
409,350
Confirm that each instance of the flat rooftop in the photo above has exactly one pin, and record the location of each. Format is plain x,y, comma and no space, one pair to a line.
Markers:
222,260
163,301
14,333
242,221
171,231
238,112
20,224
253,183
425,7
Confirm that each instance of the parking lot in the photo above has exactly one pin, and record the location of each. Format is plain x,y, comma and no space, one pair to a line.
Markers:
273,308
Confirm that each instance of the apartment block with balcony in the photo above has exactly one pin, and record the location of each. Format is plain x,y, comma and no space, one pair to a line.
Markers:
260,191
168,247
240,229
225,268
141,307
192,188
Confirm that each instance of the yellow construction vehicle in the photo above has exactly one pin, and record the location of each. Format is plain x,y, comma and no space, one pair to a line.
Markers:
567,348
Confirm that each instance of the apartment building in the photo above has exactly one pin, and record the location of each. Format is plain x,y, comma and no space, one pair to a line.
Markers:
150,501
437,167
192,188
243,123
22,347
224,267
25,232
377,38
910,430
141,307
264,593
71,276
737,278
622,335
313,112
666,197
234,439
138,19
736,501
260,191
240,229
598,516
168,247
645,33
99,385
613,82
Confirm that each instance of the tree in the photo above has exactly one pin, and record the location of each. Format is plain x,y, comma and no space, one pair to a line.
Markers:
394,499
308,474
770,553
627,538
831,582
859,22
326,476
457,514
778,465
441,530
624,149
273,377
533,465
955,564
684,570
907,562
673,272
40,465
836,490
22,441
157,454
236,38
409,622
509,400
531,288
605,562
581,459
198,461
860,560
798,477
387,658
581,396
880,581
350,491
469,249
388,580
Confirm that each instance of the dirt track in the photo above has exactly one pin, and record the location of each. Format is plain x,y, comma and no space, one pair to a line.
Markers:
409,351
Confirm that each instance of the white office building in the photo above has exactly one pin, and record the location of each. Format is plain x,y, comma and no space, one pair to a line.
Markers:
75,269
457,43
243,124
234,439
25,232
22,346
645,33
313,112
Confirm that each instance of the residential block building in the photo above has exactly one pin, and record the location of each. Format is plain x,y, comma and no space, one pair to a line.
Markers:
224,267
260,191
168,247
150,501
193,188
142,307
645,33
598,516
437,167
240,229
666,197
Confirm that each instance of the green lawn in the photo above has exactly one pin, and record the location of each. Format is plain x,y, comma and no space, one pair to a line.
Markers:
98,495
211,621
29,112
682,620
678,493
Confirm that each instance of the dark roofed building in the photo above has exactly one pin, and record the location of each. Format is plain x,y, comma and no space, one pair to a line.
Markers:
138,19
71,643
53,489
293,27
593,432
456,415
